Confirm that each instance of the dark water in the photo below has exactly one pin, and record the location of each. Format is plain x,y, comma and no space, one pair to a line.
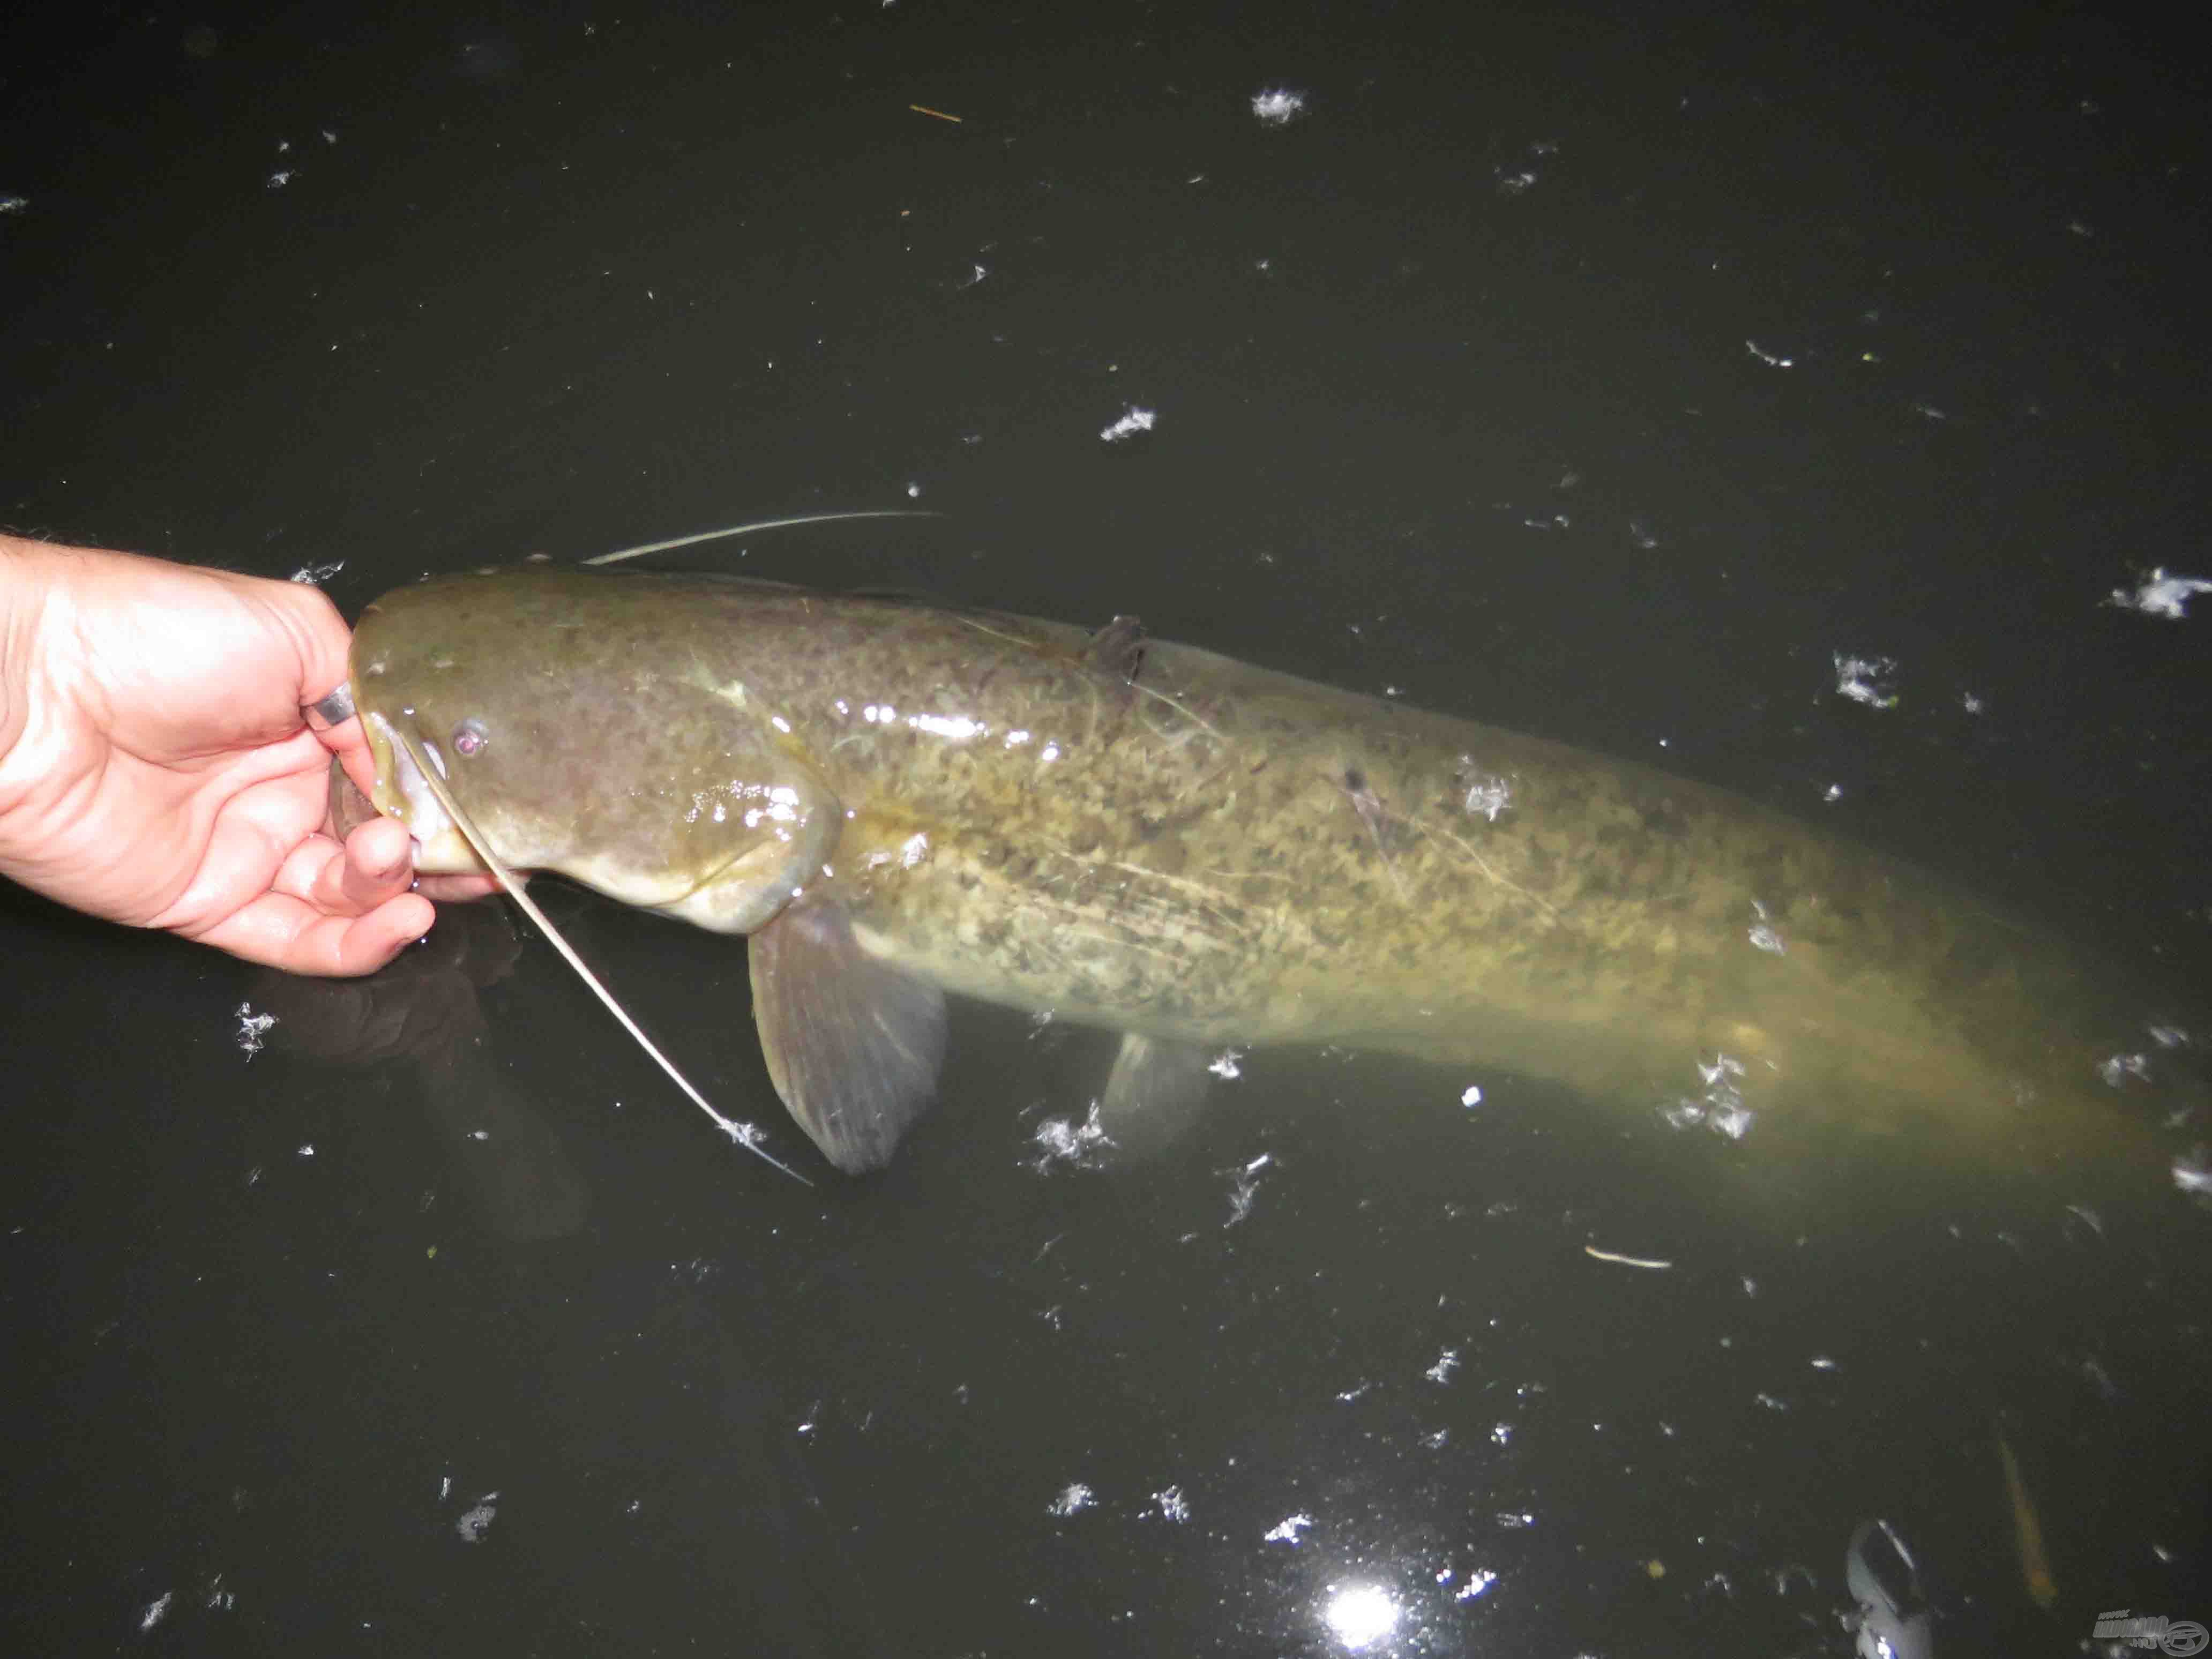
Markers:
1580,372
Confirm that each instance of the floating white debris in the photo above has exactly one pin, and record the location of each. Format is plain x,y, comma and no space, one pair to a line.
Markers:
1720,1107
1657,1264
1073,1499
2192,1171
2119,1068
2160,595
471,1525
1062,1141
1501,1433
1477,1581
1224,1065
1133,420
1447,1362
1772,360
13,203
1762,932
156,1611
1487,796
280,177
1278,107
1471,1096
1174,1506
314,575
1287,1530
1864,679
1243,1188
252,1027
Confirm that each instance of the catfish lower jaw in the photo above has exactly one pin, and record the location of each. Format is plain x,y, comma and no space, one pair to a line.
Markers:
441,849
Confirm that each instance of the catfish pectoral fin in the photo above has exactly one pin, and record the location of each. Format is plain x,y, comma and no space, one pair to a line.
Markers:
852,1045
1154,1094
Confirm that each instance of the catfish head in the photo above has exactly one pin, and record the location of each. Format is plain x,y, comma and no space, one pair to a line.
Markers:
582,737
601,726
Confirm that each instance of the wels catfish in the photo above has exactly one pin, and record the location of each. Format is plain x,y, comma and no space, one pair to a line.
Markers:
894,801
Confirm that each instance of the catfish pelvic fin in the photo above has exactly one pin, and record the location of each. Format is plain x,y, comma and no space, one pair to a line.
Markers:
852,1045
1154,1094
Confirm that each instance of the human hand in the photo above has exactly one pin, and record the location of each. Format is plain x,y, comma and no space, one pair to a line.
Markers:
154,767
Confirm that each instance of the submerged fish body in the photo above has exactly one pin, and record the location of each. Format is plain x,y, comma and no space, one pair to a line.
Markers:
896,801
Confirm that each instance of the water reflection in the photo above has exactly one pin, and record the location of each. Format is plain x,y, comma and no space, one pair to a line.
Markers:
1359,1615
423,1010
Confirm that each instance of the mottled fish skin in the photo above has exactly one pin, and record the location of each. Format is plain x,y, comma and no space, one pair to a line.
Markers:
1149,837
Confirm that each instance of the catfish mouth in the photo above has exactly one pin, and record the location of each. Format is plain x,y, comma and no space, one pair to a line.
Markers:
402,793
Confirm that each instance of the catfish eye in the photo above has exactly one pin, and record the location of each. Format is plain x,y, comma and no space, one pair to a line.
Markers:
470,738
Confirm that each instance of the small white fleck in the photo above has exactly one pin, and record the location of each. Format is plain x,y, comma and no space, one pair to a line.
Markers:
1770,359
252,1027
1471,1096
1762,934
2160,595
472,1526
1133,420
1243,1189
2119,1068
1447,1362
2192,1171
1287,1530
1822,1363
1062,1141
1073,1499
913,491
280,177
314,575
1224,1065
1278,107
1477,1582
308,1149
1487,796
13,203
1173,1505
1864,679
156,1611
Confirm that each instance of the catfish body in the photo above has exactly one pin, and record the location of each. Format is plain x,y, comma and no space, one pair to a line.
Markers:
894,801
